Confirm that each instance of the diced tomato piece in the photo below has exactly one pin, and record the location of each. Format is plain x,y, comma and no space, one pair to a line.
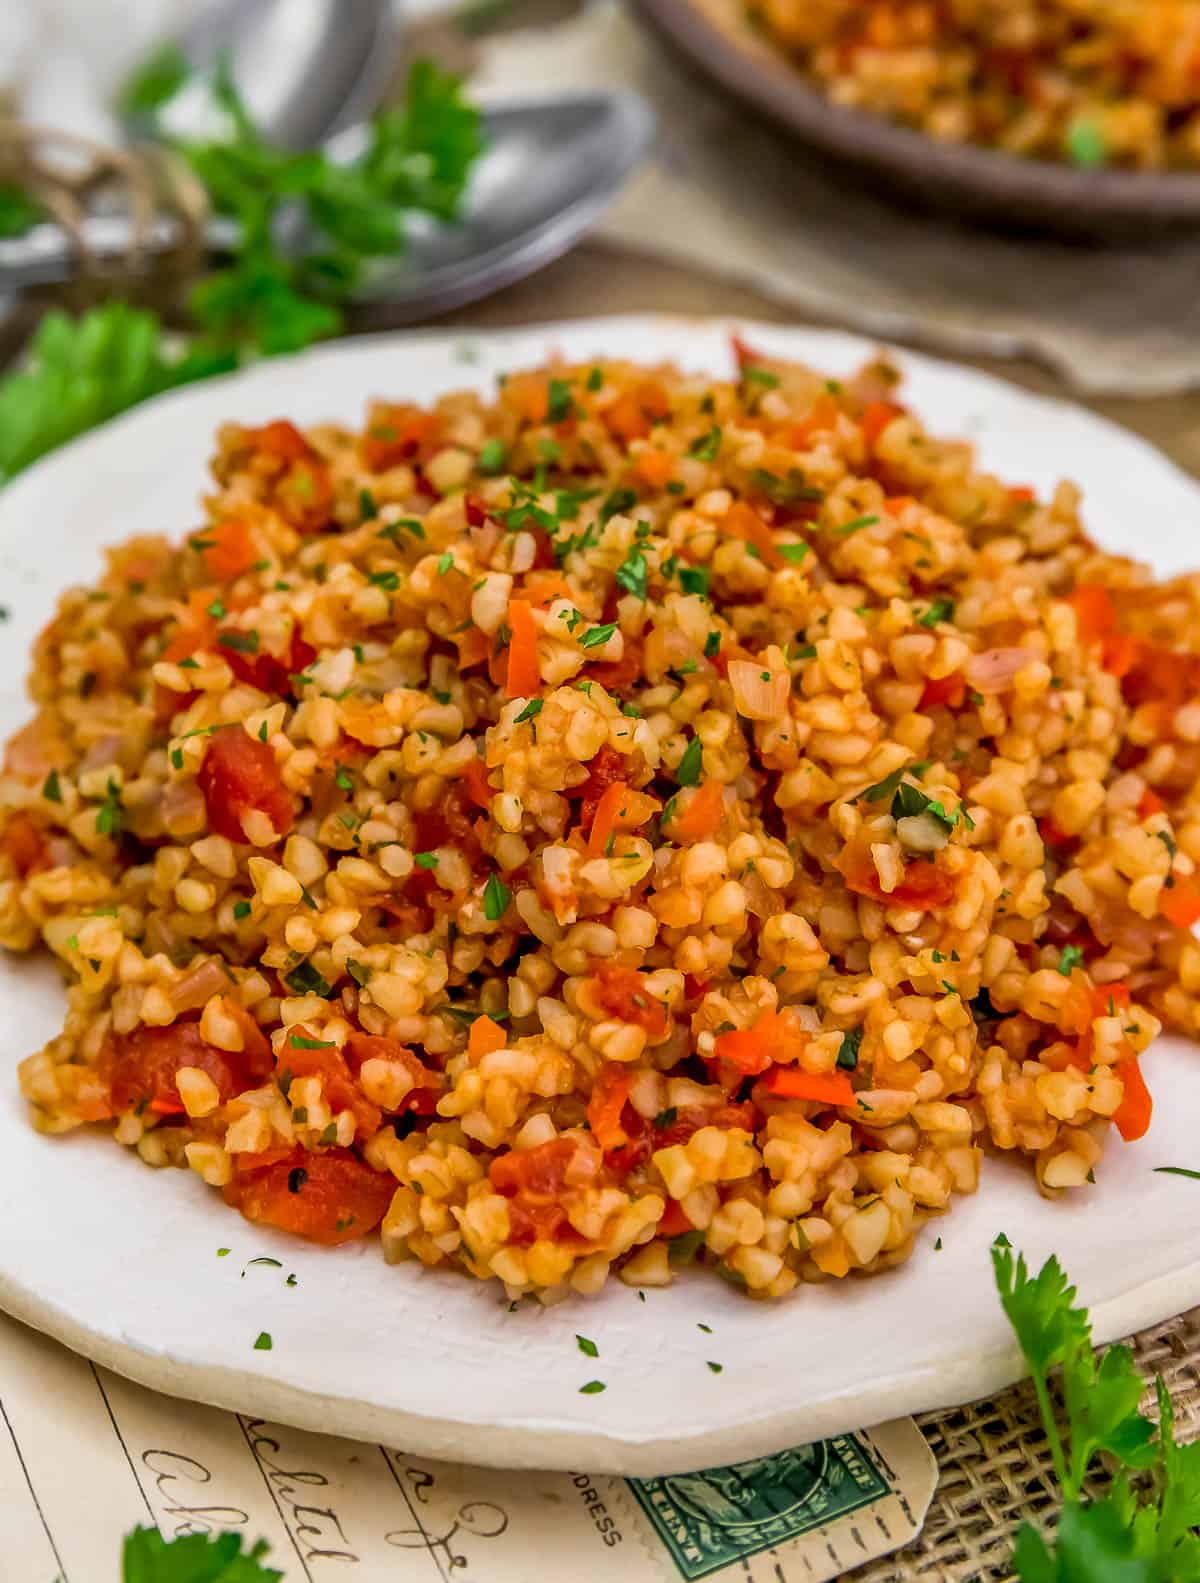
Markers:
636,411
604,770
1149,804
825,1088
534,1182
620,808
615,675
703,814
1095,614
1180,904
775,1036
1022,494
330,1197
524,677
1051,833
674,1222
24,846
745,354
895,504
484,1037
399,433
229,549
622,992
281,439
609,1093
655,468
239,775
340,1091
925,886
820,418
1120,653
427,1084
743,522
267,672
1132,1115
475,779
1160,675
140,1067
876,417
528,395
944,690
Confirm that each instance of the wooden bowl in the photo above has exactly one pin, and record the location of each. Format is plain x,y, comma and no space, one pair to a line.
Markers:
1115,205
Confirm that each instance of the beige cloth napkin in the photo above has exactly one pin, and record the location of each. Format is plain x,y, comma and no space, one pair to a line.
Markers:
724,192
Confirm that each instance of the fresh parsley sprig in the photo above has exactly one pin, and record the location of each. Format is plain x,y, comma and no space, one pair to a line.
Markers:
1141,1530
147,1557
81,371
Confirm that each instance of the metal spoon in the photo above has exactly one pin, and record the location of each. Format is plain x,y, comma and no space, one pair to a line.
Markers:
552,166
304,68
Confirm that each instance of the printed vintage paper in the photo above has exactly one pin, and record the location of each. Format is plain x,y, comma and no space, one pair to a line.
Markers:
86,1455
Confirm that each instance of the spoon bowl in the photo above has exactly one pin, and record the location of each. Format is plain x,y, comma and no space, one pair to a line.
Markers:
550,168
304,68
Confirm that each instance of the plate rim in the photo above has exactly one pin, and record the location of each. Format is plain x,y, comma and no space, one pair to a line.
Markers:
561,1442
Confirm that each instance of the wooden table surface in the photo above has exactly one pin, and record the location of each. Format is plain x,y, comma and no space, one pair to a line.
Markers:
595,279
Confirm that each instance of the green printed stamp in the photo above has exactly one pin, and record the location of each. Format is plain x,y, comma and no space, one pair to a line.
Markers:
712,1519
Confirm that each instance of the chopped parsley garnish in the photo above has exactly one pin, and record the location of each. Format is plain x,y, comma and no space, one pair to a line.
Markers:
588,1348
706,447
939,610
388,581
300,1042
691,765
592,1388
239,642
241,909
847,1056
360,974
342,780
305,980
263,1342
793,552
666,1118
367,509
531,710
632,573
620,500
1176,1170
445,564
109,814
716,1368
51,788
217,610
426,860
558,401
595,379
1085,144
889,783
496,897
492,457
694,580
684,1248
1072,957
785,491
911,801
760,376
712,645
847,528
595,637
223,1253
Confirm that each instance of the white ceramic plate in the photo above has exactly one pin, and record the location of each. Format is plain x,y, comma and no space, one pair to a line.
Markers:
121,1263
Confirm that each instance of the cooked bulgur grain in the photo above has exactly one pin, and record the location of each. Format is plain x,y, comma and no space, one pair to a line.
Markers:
645,818
1093,82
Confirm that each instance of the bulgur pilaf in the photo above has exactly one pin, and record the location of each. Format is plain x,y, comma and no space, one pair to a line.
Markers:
644,820
1093,82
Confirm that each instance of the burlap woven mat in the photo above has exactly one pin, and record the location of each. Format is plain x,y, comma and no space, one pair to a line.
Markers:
994,1468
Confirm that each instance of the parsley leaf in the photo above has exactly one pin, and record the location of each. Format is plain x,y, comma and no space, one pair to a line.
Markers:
691,765
632,573
706,447
1072,956
146,1557
496,897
